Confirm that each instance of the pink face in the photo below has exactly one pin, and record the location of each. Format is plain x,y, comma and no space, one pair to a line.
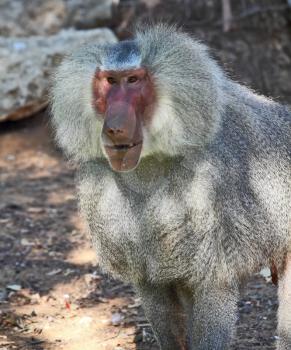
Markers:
125,99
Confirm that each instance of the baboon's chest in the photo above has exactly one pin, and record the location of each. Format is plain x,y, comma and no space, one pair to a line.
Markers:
141,238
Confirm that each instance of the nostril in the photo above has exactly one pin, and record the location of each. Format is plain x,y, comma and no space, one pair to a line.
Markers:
112,131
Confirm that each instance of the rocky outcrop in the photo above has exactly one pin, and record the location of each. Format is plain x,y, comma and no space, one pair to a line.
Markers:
26,65
38,17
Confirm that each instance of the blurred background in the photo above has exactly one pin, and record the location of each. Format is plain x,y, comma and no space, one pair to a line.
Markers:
52,293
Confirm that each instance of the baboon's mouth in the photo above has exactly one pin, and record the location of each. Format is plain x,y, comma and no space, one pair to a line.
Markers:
123,147
125,156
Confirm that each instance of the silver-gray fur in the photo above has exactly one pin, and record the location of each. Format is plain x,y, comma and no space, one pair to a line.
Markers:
208,204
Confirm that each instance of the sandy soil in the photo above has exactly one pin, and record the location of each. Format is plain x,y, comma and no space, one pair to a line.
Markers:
52,293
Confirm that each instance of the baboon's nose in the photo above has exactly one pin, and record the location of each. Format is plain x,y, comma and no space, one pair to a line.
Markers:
120,122
113,130
117,130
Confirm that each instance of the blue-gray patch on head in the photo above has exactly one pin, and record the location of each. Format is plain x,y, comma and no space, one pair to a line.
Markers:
122,56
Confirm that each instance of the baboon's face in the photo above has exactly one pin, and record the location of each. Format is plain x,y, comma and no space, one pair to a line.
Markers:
125,99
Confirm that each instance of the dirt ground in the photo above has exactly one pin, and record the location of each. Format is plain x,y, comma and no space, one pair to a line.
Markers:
52,293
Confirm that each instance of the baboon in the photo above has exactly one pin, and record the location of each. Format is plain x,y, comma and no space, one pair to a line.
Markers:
184,180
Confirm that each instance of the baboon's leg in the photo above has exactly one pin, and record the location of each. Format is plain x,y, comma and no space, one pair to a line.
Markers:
166,316
213,319
284,311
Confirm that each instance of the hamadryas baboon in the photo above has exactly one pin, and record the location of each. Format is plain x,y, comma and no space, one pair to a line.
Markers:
184,179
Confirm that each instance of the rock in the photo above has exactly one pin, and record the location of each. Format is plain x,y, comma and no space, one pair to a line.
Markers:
26,65
90,13
266,273
116,319
14,287
25,17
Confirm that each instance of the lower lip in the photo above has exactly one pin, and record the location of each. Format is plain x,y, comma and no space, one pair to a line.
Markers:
124,159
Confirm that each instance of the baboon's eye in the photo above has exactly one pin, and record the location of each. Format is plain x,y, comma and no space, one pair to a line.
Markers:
132,79
111,80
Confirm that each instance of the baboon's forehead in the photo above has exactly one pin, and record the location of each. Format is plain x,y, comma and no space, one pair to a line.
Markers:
121,56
